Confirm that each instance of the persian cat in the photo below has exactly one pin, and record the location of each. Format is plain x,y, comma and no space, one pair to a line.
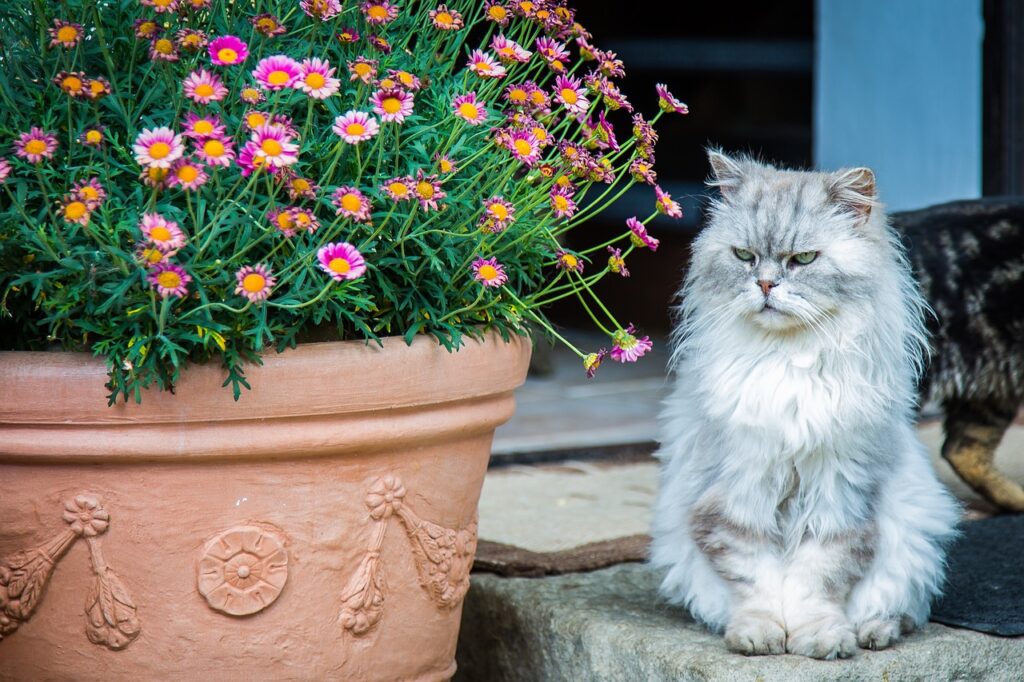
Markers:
798,511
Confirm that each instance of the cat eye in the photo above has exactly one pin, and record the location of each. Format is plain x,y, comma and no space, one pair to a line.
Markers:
743,254
805,258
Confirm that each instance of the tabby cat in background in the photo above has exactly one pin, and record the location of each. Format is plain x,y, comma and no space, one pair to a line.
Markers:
968,257
798,511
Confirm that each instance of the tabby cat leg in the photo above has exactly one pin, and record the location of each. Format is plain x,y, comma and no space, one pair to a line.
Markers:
973,432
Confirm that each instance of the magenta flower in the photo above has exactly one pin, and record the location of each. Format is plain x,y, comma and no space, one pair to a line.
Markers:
667,101
445,19
187,174
568,261
524,146
616,263
392,105
551,50
571,93
399,189
316,79
163,50
65,34
268,25
158,147
404,79
35,145
5,169
362,69
638,235
351,203
201,127
191,39
489,272
341,261
203,87
428,190
299,187
509,51
666,205
495,11
160,6
276,72
483,65
469,109
162,233
498,214
90,191
347,35
73,210
228,51
273,143
627,347
255,282
321,9
355,127
169,279
445,165
641,170
593,361
562,203
379,12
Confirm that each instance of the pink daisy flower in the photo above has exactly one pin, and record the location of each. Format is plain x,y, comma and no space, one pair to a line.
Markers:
341,261
284,220
228,51
5,169
154,177
90,191
351,203
204,87
355,127
268,25
149,256
379,12
667,101
509,51
551,50
638,235
593,361
93,136
666,205
380,43
392,105
275,145
562,203
489,272
469,109
445,165
571,93
616,263
518,94
362,69
568,261
428,190
627,347
321,9
65,34
300,188
169,279
498,214
74,210
251,95
200,127
641,171
216,151
496,12
35,145
160,6
304,219
191,40
255,282
399,189
196,5
524,146
187,174
163,50
445,19
162,233
145,29
277,72
404,79
316,79
158,147
347,35
483,65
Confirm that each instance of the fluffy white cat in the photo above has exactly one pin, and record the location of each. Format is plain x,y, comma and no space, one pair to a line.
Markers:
798,511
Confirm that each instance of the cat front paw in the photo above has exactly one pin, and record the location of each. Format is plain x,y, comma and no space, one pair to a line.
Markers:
878,633
755,634
828,637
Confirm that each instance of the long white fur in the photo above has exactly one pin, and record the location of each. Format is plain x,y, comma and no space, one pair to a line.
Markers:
825,409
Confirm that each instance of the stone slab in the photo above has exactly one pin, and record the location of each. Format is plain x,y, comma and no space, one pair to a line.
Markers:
610,625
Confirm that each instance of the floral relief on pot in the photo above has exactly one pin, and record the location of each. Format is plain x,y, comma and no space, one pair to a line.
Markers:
242,570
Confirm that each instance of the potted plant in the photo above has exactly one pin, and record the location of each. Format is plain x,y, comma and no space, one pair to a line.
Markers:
348,215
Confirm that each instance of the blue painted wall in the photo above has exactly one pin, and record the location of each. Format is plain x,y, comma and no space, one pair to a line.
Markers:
898,89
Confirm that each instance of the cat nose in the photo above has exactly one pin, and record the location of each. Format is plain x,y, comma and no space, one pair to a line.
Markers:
766,285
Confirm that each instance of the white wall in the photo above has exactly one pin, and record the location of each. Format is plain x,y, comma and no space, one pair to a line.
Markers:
898,89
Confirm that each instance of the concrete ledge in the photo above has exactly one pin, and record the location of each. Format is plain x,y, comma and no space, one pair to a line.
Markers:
610,625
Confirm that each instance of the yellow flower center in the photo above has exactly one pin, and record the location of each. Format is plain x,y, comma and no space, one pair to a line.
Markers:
301,219
74,210
278,77
444,18
255,120
188,173
523,147
398,189
563,181
445,165
227,55
467,110
203,127
391,105
497,13
569,260
483,66
159,150
526,6
89,192
213,148
518,96
94,137
339,265
425,189
169,279
557,65
147,28
543,14
164,46
387,84
540,133
355,129
315,80
191,40
156,174
488,272
250,94
161,3
377,12
271,147
499,211
284,220
561,203
35,147
569,96
254,283
66,34
160,234
300,185
406,78
350,202
538,97
570,152
204,90
153,255
71,84
96,87
266,24
362,69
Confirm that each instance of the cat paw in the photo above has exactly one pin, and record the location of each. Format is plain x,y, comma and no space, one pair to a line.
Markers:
878,633
828,638
755,634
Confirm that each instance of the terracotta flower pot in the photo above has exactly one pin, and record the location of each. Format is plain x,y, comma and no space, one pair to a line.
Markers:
322,527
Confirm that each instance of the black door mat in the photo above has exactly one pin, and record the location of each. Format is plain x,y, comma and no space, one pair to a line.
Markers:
985,581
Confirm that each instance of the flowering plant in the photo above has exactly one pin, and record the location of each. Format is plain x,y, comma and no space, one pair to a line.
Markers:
185,179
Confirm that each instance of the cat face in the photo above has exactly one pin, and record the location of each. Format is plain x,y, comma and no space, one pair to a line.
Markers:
786,250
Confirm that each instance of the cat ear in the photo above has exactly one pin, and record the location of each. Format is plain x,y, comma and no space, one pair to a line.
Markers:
726,172
854,190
